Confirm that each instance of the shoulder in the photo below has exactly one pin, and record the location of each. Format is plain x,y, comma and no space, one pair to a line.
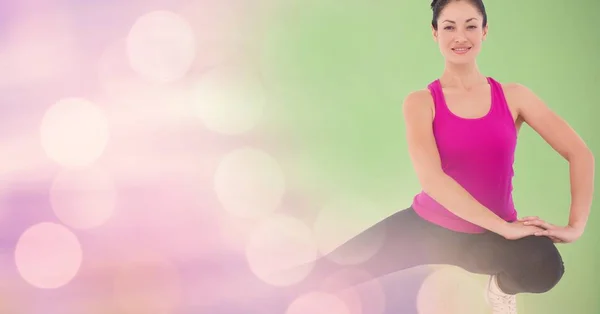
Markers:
419,95
418,102
514,89
520,96
524,100
517,91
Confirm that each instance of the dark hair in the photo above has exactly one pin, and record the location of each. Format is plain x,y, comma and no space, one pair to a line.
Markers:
438,5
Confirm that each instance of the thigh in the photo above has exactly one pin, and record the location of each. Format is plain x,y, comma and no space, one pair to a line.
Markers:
402,241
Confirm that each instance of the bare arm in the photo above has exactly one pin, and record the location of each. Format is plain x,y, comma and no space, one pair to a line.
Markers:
563,139
418,117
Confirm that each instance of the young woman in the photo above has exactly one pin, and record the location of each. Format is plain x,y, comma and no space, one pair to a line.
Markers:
462,133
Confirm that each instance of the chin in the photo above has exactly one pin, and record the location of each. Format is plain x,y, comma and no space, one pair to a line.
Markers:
460,61
454,59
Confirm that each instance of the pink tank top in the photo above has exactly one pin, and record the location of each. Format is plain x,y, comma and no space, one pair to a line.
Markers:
477,153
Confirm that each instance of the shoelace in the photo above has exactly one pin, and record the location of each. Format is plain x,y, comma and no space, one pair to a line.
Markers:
504,304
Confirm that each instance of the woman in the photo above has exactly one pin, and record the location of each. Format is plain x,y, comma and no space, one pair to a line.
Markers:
462,132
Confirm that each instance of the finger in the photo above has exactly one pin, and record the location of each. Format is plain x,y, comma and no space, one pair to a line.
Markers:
528,218
546,233
540,223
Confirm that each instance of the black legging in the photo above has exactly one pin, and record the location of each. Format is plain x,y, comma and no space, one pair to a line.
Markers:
528,265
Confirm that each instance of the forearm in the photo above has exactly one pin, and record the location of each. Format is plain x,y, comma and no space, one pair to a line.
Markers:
450,194
581,170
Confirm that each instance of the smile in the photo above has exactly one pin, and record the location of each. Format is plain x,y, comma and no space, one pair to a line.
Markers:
461,50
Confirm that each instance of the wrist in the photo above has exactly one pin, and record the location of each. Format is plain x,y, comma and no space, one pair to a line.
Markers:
578,216
577,222
501,227
580,226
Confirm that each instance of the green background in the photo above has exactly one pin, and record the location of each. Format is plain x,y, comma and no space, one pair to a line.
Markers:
339,70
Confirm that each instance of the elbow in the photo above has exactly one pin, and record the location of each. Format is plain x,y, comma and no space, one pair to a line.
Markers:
587,153
584,155
591,160
580,154
430,181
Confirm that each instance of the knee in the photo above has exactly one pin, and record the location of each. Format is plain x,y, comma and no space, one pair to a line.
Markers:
548,275
546,268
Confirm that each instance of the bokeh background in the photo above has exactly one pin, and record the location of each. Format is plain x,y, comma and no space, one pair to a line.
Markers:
164,157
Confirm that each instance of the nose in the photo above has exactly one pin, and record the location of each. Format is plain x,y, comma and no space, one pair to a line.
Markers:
460,38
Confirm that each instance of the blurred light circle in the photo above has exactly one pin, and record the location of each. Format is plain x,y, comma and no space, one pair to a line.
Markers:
218,29
161,46
229,99
317,303
74,132
249,183
281,251
48,255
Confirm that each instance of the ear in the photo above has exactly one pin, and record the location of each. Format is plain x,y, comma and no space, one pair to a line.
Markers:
434,33
485,32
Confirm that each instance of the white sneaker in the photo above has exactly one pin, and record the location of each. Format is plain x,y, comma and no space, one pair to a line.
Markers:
500,302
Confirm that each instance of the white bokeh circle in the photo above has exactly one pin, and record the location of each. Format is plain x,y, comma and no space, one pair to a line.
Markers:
229,99
74,132
281,250
317,303
249,183
161,46
48,255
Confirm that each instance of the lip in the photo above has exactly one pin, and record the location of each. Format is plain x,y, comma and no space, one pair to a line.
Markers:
461,50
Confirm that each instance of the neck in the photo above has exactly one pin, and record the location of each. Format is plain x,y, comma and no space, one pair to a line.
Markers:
463,76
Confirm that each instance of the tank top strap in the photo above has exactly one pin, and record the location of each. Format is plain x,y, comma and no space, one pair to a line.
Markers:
439,100
499,100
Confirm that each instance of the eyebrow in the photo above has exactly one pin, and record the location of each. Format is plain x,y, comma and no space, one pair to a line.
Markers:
469,20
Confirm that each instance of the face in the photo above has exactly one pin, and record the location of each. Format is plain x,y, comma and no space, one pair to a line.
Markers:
460,33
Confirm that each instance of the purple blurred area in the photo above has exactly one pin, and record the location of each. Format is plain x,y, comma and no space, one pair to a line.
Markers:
120,190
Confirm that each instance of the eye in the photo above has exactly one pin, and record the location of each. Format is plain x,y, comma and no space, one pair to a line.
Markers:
449,28
471,27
